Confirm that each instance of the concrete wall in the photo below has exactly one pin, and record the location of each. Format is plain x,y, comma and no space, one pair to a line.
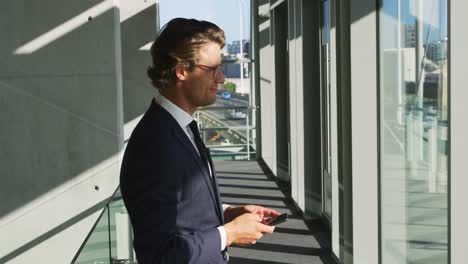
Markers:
308,132
280,43
295,101
303,98
267,88
138,29
62,115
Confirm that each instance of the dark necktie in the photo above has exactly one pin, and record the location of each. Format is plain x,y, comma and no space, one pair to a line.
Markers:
201,147
206,160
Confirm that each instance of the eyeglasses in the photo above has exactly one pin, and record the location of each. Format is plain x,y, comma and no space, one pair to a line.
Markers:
216,69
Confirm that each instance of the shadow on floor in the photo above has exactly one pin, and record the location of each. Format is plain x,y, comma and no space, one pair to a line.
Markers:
295,241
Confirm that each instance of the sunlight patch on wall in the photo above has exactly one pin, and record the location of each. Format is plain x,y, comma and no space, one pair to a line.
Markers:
64,28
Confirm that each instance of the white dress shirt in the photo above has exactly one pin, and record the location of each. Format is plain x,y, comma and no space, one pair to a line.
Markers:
184,119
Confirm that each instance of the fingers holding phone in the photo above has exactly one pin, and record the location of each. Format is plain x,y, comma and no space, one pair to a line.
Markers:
273,221
246,229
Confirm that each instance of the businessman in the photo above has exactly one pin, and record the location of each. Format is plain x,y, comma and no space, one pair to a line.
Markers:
168,180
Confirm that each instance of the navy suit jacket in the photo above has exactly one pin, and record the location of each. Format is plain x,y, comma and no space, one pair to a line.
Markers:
173,206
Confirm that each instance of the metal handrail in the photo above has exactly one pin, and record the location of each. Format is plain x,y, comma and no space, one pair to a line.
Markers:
247,107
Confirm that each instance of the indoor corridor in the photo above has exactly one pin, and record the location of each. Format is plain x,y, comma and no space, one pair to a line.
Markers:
295,241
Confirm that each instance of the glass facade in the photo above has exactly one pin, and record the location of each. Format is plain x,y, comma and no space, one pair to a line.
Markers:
413,132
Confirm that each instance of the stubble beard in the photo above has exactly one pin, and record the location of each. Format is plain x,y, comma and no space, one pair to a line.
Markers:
200,102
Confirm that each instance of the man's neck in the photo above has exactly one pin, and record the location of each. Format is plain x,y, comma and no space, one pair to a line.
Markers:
177,100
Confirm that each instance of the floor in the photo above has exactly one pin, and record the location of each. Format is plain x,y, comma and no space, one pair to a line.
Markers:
296,241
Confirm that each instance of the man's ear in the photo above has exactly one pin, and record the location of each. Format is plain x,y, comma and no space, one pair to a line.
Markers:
181,72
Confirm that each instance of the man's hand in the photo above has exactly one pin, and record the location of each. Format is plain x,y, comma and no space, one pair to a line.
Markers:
246,229
233,212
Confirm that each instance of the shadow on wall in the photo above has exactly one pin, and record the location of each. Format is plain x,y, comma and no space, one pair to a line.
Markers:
60,103
264,24
59,100
137,88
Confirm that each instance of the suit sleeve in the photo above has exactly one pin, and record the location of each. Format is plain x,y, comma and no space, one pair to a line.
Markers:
198,247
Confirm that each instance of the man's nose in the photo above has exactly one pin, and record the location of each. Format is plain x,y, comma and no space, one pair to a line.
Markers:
220,77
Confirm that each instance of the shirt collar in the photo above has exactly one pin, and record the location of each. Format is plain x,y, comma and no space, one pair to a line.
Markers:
182,117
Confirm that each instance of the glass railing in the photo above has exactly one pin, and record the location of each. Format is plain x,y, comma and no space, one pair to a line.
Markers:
228,131
110,240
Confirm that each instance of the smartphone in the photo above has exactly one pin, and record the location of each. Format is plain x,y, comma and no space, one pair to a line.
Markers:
277,220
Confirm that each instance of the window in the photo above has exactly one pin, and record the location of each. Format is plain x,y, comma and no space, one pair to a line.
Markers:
413,131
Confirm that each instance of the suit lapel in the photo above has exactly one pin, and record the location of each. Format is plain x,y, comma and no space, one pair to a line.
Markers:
216,186
187,144
182,137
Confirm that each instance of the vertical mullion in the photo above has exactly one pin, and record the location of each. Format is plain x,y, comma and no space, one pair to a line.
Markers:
334,136
458,129
344,130
364,129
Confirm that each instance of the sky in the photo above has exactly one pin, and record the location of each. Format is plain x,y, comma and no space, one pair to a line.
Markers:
224,13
